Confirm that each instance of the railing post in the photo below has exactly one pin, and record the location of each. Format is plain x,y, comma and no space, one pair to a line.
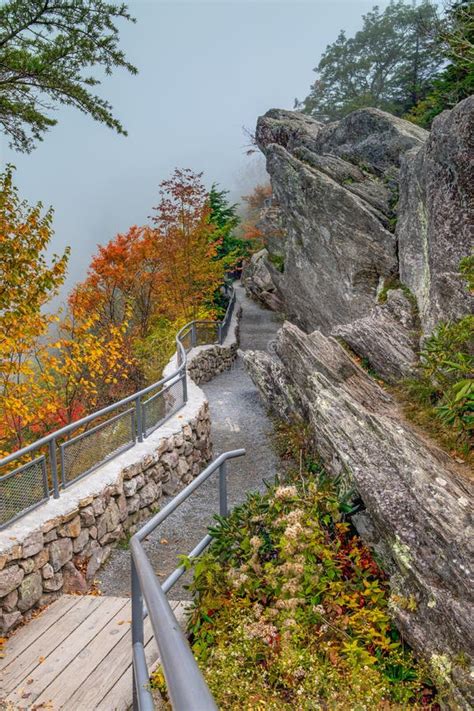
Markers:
219,332
137,624
139,419
193,336
223,489
185,386
54,467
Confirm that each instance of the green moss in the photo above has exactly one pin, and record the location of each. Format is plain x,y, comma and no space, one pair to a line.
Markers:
278,261
466,267
394,282
402,553
124,543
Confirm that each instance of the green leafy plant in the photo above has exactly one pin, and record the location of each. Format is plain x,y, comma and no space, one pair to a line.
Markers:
444,385
447,361
291,609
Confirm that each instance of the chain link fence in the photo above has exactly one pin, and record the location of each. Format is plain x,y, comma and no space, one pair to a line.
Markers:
74,451
82,454
23,489
162,405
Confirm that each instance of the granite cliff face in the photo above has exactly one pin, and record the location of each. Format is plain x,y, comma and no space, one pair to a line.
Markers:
435,226
364,202
334,188
373,216
418,506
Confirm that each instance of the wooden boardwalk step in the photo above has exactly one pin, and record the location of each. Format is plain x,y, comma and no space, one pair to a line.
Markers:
76,656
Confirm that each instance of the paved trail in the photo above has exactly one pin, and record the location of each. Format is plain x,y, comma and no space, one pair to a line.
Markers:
238,420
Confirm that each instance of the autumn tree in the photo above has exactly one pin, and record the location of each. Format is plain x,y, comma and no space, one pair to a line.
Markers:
49,52
123,284
27,283
44,385
188,247
162,275
253,205
87,366
123,274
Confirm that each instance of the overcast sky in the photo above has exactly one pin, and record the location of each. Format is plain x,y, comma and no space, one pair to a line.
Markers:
206,69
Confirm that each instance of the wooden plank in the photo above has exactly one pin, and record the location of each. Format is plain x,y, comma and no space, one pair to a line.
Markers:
27,635
26,662
89,658
119,698
110,670
63,654
107,673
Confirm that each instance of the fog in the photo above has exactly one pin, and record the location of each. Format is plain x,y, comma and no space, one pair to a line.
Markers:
206,69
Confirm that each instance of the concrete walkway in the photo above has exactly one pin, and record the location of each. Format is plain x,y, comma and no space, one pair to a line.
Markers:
238,420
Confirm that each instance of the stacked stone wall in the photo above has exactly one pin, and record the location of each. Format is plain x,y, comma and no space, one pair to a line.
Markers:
59,547
65,552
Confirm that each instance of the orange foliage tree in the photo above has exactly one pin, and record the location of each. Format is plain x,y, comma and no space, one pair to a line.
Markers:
124,274
186,241
165,274
43,385
254,204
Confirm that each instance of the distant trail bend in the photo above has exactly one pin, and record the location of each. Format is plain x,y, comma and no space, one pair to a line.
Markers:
238,420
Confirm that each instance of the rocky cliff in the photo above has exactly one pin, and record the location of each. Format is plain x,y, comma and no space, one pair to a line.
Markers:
417,503
360,204
374,217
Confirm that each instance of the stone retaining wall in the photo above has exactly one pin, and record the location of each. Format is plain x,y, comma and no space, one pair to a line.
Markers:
59,547
65,552
208,361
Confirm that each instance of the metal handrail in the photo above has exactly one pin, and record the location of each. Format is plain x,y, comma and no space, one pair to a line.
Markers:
138,426
185,683
222,326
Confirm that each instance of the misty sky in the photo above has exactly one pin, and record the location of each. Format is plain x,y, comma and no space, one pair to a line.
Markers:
206,70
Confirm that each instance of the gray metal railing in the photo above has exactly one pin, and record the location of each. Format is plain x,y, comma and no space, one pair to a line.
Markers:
199,333
57,460
187,689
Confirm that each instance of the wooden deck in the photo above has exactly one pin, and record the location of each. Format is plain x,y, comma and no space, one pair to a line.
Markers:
76,656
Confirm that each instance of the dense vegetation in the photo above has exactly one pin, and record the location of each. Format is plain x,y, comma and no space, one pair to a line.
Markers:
456,80
406,60
291,609
440,395
119,327
49,54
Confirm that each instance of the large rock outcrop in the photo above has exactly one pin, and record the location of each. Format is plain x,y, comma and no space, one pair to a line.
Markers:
435,226
387,338
417,500
272,227
334,185
359,204
259,277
